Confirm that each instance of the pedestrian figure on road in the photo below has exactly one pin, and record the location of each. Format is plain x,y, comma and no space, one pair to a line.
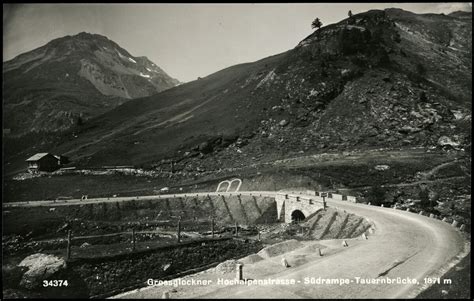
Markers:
285,262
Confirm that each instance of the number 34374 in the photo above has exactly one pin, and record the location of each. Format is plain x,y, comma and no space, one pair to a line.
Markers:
55,283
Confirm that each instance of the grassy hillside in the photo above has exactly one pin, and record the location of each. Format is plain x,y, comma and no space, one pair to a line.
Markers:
379,79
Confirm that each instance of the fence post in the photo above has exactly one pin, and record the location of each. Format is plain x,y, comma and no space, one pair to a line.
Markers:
68,250
212,227
179,230
133,239
236,230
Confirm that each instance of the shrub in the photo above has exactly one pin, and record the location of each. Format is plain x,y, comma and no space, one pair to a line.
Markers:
423,97
12,275
376,195
420,69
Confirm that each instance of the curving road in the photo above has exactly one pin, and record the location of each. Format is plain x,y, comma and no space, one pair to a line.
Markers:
403,245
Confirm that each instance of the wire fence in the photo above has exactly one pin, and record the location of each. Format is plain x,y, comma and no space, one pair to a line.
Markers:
134,239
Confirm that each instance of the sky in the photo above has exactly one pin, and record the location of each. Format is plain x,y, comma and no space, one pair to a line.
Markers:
186,40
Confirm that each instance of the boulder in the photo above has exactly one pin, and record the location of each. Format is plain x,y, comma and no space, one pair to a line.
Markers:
408,129
372,132
40,267
381,167
228,140
205,147
241,142
284,122
85,245
446,141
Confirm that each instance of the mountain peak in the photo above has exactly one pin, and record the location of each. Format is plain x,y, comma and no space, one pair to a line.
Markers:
85,65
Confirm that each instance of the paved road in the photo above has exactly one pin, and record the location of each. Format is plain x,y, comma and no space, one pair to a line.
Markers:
404,244
123,199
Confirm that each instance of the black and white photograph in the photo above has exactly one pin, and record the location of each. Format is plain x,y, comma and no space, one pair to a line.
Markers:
236,150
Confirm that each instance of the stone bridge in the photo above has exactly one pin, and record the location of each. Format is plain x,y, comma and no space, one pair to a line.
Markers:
296,206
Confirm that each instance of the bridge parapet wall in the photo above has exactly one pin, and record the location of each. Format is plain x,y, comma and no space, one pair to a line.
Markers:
339,197
352,199
308,204
336,196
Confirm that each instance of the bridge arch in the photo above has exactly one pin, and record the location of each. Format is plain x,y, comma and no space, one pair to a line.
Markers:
297,216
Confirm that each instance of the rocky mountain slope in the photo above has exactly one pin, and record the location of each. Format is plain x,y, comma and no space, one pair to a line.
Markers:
379,79
72,79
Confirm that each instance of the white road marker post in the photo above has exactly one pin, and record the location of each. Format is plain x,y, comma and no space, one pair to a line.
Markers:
239,269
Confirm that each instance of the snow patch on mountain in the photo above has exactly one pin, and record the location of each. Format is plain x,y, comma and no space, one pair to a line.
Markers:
126,57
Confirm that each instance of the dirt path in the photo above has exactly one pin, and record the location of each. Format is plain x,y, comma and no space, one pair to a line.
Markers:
434,170
415,183
176,119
